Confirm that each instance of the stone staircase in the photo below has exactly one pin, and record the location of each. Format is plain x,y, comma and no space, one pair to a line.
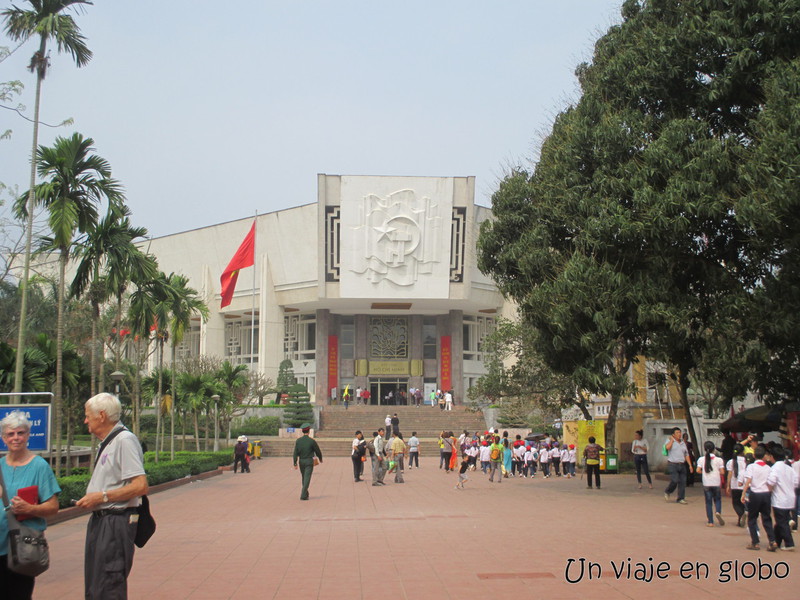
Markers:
338,427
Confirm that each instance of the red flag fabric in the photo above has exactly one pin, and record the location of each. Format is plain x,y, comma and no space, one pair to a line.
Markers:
244,257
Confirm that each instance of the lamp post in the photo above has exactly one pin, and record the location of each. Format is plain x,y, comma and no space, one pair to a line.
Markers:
116,377
215,398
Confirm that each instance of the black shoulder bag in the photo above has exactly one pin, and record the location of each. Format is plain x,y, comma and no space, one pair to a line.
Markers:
146,525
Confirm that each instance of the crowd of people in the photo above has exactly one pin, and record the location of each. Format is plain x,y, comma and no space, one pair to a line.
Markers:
759,479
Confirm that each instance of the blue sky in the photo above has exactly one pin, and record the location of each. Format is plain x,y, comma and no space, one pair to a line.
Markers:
211,111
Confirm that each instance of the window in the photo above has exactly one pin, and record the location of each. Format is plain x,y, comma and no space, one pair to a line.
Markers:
388,337
475,331
299,336
241,340
347,338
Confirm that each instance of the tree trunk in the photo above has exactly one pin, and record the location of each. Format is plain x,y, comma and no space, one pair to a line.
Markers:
683,388
183,429
196,431
160,396
23,304
172,406
58,397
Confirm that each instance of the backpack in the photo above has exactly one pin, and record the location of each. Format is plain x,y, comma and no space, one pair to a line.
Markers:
495,455
592,452
371,447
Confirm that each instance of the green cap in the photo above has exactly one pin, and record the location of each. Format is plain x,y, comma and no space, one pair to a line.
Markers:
305,426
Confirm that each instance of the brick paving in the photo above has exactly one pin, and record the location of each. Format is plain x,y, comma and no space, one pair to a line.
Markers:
249,536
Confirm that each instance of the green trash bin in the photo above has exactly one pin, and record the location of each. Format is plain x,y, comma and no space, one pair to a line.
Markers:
612,461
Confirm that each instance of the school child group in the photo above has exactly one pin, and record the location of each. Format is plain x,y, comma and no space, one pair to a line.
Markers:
761,483
505,458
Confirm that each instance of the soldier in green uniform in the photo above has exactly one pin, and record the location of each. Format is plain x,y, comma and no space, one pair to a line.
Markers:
304,449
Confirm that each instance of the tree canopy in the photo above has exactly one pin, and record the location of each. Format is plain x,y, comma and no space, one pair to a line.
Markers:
662,213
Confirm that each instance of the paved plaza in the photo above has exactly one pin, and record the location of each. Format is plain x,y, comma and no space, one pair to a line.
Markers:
249,536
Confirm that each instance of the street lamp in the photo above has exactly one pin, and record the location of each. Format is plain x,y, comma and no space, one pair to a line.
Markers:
215,398
116,377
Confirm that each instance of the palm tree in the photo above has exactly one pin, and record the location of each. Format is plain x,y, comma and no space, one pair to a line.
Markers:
186,303
107,257
47,21
75,181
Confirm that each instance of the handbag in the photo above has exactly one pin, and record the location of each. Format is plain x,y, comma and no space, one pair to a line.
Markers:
28,553
146,526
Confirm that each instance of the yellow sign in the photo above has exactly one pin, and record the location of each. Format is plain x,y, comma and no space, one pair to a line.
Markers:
587,429
388,367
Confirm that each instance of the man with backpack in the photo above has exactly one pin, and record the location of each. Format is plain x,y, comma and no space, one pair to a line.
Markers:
592,455
495,460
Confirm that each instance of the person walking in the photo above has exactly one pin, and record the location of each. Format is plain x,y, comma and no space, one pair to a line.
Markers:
306,453
113,495
30,492
782,482
712,469
639,448
678,458
759,501
736,467
592,455
387,422
496,460
357,455
399,450
240,454
378,458
413,450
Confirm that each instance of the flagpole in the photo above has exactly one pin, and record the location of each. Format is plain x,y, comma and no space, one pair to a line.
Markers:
253,309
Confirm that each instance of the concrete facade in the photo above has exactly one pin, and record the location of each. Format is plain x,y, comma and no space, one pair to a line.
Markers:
375,286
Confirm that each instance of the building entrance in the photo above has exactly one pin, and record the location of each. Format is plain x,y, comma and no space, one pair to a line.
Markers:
391,392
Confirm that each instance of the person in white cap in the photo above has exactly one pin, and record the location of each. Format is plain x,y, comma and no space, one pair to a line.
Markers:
240,454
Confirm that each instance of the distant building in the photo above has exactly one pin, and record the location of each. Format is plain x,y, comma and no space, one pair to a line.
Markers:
375,286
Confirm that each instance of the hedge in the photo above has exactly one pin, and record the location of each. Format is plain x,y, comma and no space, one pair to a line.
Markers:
268,425
184,465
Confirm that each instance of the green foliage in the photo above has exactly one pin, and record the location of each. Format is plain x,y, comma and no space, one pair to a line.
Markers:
268,425
299,409
185,464
286,377
662,216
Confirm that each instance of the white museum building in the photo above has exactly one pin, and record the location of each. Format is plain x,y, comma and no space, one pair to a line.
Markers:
375,285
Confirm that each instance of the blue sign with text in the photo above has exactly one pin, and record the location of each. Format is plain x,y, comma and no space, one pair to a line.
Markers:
39,416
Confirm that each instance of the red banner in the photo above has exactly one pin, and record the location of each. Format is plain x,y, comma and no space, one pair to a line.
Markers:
446,364
333,362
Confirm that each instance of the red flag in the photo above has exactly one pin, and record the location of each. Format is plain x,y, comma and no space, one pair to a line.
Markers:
244,257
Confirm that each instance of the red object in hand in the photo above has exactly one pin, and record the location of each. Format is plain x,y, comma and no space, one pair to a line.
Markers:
31,495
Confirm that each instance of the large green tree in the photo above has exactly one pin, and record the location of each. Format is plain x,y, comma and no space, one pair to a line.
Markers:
658,217
45,19
75,182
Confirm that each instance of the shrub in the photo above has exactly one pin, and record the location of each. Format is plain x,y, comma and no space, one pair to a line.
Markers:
184,465
268,425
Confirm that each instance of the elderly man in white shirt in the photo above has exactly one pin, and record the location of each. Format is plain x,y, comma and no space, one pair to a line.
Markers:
782,481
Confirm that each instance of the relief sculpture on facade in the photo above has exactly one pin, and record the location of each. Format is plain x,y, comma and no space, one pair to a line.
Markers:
399,237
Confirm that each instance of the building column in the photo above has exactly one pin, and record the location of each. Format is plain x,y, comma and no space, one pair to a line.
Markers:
456,328
270,325
415,350
361,350
322,386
